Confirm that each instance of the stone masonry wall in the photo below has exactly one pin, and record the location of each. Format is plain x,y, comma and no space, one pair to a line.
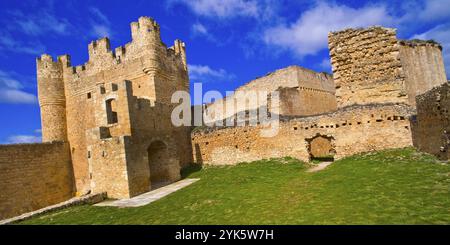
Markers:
154,70
52,99
366,66
432,128
423,66
353,130
301,90
372,66
118,153
305,101
33,176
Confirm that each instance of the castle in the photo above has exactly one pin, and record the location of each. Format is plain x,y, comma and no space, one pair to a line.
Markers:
114,111
106,125
369,104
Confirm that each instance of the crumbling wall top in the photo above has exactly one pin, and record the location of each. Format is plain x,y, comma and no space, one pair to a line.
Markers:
359,31
146,40
420,43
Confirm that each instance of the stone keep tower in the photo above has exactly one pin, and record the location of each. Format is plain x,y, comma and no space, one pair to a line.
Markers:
372,66
52,99
115,111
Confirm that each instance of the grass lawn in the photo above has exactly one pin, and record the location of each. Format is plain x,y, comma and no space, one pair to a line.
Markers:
390,187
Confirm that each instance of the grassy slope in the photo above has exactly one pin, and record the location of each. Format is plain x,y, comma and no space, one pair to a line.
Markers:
390,187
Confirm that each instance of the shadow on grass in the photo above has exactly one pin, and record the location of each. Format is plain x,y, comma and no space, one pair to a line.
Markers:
188,170
322,159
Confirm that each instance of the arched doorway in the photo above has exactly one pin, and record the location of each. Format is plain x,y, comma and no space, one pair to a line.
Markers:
158,160
321,148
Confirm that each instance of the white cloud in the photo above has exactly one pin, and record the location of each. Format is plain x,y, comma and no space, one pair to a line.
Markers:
100,31
325,64
309,34
419,12
16,97
11,91
8,43
40,23
101,26
203,73
434,10
7,81
199,28
222,8
99,15
441,34
22,139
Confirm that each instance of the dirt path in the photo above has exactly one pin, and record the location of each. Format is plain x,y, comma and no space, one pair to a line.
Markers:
149,197
319,167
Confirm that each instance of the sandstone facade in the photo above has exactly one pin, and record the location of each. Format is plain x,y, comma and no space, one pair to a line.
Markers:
377,78
351,130
372,66
300,92
432,125
107,124
33,176
112,108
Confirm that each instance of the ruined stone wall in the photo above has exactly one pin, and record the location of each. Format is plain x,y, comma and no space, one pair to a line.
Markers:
33,176
432,128
423,66
353,129
302,92
372,66
366,66
306,101
154,71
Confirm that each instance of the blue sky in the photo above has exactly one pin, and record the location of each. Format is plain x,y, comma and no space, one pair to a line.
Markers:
229,42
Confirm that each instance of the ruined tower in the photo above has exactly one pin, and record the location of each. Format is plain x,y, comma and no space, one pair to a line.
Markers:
372,66
52,99
423,66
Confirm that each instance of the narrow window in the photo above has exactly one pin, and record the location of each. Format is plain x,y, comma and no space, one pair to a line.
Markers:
113,87
89,95
111,111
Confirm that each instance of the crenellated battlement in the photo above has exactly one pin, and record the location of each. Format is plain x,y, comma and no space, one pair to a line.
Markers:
145,28
47,66
118,93
46,63
99,47
65,60
146,41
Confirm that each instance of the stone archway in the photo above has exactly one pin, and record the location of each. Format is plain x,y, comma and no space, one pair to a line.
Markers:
163,166
321,148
